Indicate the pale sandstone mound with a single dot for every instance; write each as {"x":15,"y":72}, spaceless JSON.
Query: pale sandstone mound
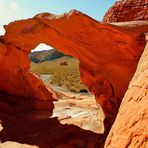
{"x":80,"y":110}
{"x":127,"y":10}
{"x":10,"y":144}
{"x":1,"y":128}
{"x":130,"y":128}
{"x":108,"y":56}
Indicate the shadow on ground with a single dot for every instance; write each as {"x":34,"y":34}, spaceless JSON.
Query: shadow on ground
{"x":25,"y":122}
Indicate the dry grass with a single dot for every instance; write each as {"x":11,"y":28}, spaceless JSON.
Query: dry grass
{"x":66,"y":76}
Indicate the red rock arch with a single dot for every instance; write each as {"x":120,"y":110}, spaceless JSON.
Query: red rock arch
{"x":108,"y":55}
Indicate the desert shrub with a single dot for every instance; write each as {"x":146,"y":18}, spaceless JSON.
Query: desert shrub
{"x":67,"y":76}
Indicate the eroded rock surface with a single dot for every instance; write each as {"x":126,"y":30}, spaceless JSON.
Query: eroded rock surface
{"x":130,"y":128}
{"x":127,"y":10}
{"x":108,"y":57}
{"x":80,"y":110}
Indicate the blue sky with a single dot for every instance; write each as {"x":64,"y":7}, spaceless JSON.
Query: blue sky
{"x":11,"y":10}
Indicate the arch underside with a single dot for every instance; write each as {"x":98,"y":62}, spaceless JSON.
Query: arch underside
{"x":108,"y":57}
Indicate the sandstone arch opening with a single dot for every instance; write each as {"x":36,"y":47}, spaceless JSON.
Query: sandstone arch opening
{"x":60,"y":73}
{"x":106,"y":65}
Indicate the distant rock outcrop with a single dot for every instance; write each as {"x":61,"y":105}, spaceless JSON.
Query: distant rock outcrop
{"x":108,"y":57}
{"x":127,"y":10}
{"x":63,"y":64}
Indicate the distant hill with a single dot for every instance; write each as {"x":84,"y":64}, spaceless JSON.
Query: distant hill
{"x":45,"y":55}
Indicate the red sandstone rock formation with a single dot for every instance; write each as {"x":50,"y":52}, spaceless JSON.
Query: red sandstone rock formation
{"x":130,"y":128}
{"x":15,"y":76}
{"x":127,"y":10}
{"x":108,"y":56}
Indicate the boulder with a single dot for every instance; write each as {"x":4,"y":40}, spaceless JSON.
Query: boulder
{"x":63,"y":64}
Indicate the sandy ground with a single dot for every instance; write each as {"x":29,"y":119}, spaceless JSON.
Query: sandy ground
{"x":79,"y":109}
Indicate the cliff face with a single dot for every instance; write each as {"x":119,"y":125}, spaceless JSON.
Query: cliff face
{"x":127,"y":10}
{"x":130,"y":127}
{"x":108,"y":56}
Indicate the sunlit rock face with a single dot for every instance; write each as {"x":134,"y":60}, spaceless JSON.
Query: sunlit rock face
{"x":108,"y":55}
{"x":130,"y":127}
{"x":80,"y":110}
{"x":127,"y":10}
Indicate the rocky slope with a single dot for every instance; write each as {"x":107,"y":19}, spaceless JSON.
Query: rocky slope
{"x":109,"y":59}
{"x":127,"y":10}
